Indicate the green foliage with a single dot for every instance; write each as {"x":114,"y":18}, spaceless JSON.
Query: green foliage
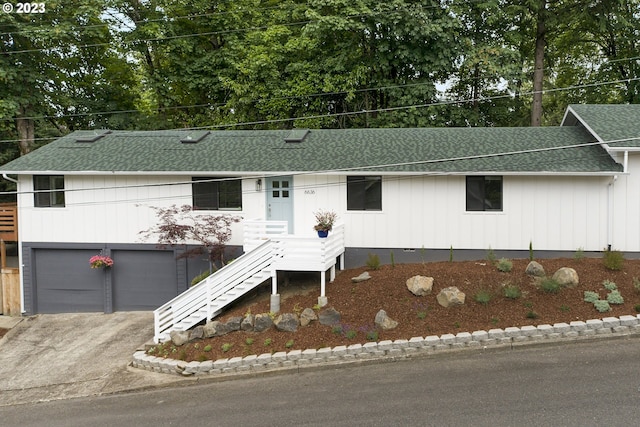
{"x":451,"y":253}
{"x":591,"y":297}
{"x":207,"y":348}
{"x":613,"y":260}
{"x":289,"y":344}
{"x":372,"y":335}
{"x":268,"y":342}
{"x":636,"y":284}
{"x":614,"y":297}
{"x":565,"y":308}
{"x":579,"y":254}
{"x":602,"y":306}
{"x":609,"y":285}
{"x":200,"y":277}
{"x":530,"y":251}
{"x":491,"y":257}
{"x":512,"y":291}
{"x":549,"y":285}
{"x":248,"y":341}
{"x":351,"y":334}
{"x":637,"y":308}
{"x":202,"y":358}
{"x":532,"y":314}
{"x":505,"y":265}
{"x":226,"y":347}
{"x":373,"y":261}
{"x":483,"y":297}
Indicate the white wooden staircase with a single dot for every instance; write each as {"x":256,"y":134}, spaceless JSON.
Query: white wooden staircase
{"x":267,"y":249}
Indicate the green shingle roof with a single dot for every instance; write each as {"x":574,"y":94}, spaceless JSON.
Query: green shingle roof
{"x":615,"y":122}
{"x":567,"y":149}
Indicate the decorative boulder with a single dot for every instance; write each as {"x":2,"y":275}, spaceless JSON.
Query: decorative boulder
{"x":384,"y":322}
{"x":329,"y":316}
{"x":215,"y":329}
{"x":179,"y":338}
{"x":450,"y":296}
{"x":535,"y":269}
{"x":196,"y":333}
{"x":566,"y":277}
{"x":307,"y":316}
{"x":287,"y":322}
{"x":262,"y":322}
{"x":420,"y":285}
{"x":247,"y":323}
{"x":361,"y":278}
{"x":233,"y":323}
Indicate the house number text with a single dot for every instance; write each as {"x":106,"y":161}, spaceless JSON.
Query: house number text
{"x":309,"y":191}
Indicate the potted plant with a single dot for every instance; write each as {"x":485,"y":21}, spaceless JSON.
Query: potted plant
{"x":100,"y":261}
{"x":324,"y":222}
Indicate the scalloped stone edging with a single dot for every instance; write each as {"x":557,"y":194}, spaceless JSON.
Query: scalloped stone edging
{"x":624,"y":325}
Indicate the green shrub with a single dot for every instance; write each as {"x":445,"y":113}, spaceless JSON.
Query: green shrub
{"x":637,"y":307}
{"x":289,"y":344}
{"x":636,"y":284}
{"x":207,"y":347}
{"x":591,"y":297}
{"x":614,"y":297}
{"x":532,"y":314}
{"x":268,"y":342}
{"x":602,"y":306}
{"x":613,"y":260}
{"x":372,"y":335}
{"x":200,"y":277}
{"x":226,"y":347}
{"x":512,"y":291}
{"x":451,"y":253}
{"x":491,"y":257}
{"x":373,"y":261}
{"x":483,"y":297}
{"x":609,"y":285}
{"x":505,"y":265}
{"x":530,"y":250}
{"x":579,"y":255}
{"x":549,"y":285}
{"x":248,"y":341}
{"x":351,"y":334}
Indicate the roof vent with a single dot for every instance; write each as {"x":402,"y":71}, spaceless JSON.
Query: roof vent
{"x":194,"y":137}
{"x":93,"y":138}
{"x":297,"y":135}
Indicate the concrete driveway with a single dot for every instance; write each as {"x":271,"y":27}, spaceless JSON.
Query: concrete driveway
{"x":60,"y":356}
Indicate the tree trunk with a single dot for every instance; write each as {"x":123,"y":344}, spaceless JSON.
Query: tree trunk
{"x":538,"y":68}
{"x":26,"y":130}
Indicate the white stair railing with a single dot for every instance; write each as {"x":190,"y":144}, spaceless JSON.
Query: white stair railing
{"x":207,"y":298}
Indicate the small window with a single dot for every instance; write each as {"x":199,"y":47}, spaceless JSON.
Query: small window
{"x":48,"y":191}
{"x":364,"y":193}
{"x":216,"y":193}
{"x":484,"y":193}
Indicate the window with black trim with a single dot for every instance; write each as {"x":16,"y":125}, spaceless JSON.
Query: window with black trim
{"x":364,"y":193}
{"x":48,"y":191}
{"x":484,"y":193}
{"x":218,"y":193}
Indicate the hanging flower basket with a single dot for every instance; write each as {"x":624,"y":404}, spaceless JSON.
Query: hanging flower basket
{"x":100,"y":261}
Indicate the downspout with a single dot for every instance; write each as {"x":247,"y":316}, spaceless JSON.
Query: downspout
{"x":5,"y":176}
{"x":610,"y":212}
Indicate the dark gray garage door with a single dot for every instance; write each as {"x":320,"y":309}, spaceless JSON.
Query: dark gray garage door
{"x":65,"y":283}
{"x":143,"y":280}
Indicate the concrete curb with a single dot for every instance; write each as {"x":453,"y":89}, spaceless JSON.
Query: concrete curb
{"x":401,"y":348}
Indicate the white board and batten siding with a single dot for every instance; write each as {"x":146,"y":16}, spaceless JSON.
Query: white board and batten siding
{"x":114,"y":209}
{"x":551,"y":212}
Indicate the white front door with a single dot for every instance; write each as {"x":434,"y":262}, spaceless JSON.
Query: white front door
{"x":280,"y":199}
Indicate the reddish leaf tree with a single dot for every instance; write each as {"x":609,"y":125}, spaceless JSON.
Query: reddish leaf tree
{"x":180,"y":225}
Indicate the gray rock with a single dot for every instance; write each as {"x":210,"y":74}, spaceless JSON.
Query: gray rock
{"x":233,"y":323}
{"x":262,"y":322}
{"x":566,"y":277}
{"x":420,"y":285}
{"x":215,"y":328}
{"x":384,"y":322}
{"x":450,"y":296}
{"x":535,"y":269}
{"x":329,"y":316}
{"x":196,"y":333}
{"x":287,"y":322}
{"x":179,"y":338}
{"x":247,"y":323}
{"x":361,"y":278}
{"x":307,"y":316}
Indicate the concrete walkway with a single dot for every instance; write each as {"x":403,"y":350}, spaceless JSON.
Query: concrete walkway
{"x":60,"y":356}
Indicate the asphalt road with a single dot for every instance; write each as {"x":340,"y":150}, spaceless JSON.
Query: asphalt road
{"x":594,"y":383}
